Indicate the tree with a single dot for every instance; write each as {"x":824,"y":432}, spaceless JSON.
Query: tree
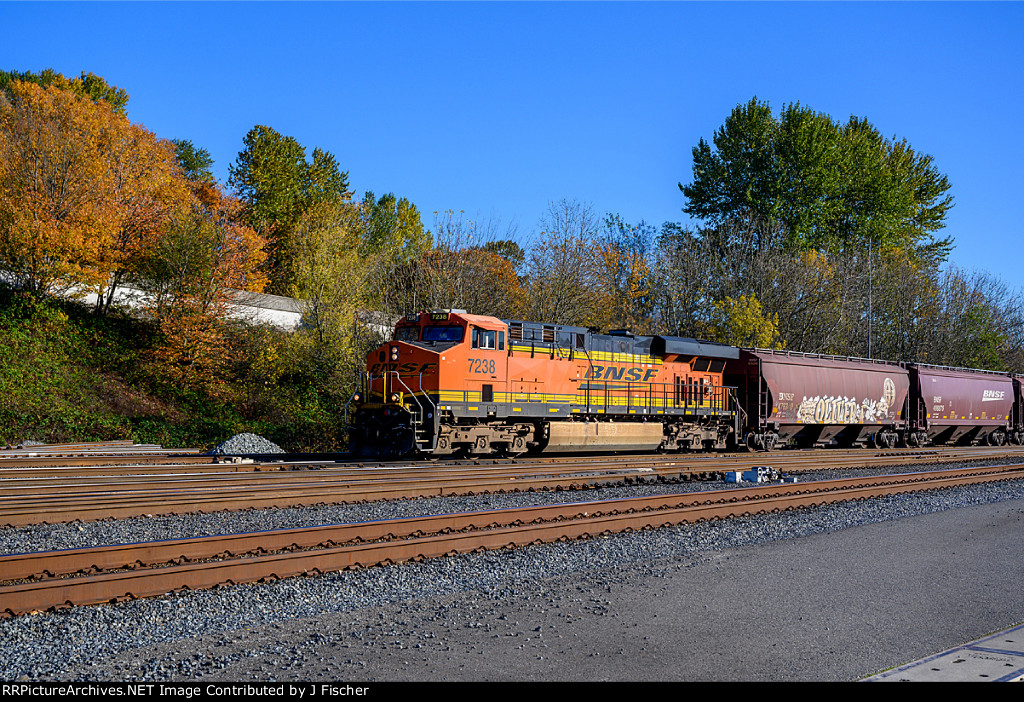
{"x":53,"y":222}
{"x":832,"y":186}
{"x":743,"y":322}
{"x":84,"y":191}
{"x":276,"y":185}
{"x":146,"y":190}
{"x":460,"y":271}
{"x":624,"y":274}
{"x":331,"y":280}
{"x":87,"y":85}
{"x":393,"y":227}
{"x":195,"y":163}
{"x":561,"y":270}
{"x":203,"y":256}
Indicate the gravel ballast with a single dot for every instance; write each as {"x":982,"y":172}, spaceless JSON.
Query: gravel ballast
{"x":246,"y":444}
{"x":229,"y":633}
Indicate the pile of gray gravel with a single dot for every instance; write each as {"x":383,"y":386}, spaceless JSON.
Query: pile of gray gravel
{"x":244,"y":444}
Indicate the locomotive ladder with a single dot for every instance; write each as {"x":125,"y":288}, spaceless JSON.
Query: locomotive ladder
{"x":421,"y":434}
{"x":423,"y":437}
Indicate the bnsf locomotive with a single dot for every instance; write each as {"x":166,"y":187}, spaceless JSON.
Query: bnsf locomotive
{"x":451,"y":382}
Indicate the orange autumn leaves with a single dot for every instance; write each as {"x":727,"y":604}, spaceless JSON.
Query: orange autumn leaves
{"x":90,"y":202}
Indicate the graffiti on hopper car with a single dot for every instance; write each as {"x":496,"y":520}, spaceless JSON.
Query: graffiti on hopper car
{"x":830,"y":409}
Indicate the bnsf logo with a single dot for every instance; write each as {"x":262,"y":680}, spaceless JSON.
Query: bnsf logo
{"x":992,"y":395}
{"x":616,"y":373}
{"x":402,"y":367}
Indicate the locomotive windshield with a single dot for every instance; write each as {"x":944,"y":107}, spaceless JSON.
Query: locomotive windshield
{"x":407,"y":334}
{"x":446,"y":333}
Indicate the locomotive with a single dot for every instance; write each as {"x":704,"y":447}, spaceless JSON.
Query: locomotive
{"x":450,"y":382}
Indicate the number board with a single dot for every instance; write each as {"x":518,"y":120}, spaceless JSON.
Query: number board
{"x":439,"y":316}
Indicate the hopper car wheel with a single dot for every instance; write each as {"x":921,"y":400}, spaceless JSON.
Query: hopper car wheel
{"x":751,"y":441}
{"x":763,"y":442}
{"x":995,"y":438}
{"x":884,"y":440}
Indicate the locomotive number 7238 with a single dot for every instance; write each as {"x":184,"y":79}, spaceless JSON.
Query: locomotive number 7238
{"x":481,"y":365}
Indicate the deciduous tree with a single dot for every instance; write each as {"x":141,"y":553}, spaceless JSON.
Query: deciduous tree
{"x":205,"y":255}
{"x":276,"y":185}
{"x":55,"y":188}
{"x":832,"y":186}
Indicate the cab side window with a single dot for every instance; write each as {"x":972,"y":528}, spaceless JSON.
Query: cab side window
{"x":485,"y":339}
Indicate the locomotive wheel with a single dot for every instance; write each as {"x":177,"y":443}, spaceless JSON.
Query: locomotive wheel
{"x":518,"y":446}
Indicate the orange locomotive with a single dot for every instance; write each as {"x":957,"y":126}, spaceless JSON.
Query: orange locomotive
{"x":451,"y":382}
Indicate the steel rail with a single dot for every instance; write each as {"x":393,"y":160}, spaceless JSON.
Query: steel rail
{"x":404,"y":539}
{"x":61,"y":464}
{"x":42,"y":564}
{"x":33,"y":501}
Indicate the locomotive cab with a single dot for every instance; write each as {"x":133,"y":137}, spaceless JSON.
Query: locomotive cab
{"x":441,"y":362}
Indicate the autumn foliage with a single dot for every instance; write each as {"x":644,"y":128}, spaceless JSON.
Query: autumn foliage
{"x":90,"y":202}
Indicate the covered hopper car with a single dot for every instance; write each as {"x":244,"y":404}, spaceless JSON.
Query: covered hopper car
{"x":811,"y":400}
{"x":455,"y":383}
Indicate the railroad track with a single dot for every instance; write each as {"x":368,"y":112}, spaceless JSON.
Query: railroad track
{"x":74,"y":577}
{"x":52,"y":495}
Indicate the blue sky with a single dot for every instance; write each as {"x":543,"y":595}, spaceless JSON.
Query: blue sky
{"x":498,"y":109}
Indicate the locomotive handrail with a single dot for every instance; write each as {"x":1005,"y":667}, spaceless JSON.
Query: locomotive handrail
{"x":345,"y":415}
{"x":418,"y":403}
{"x":660,"y":395}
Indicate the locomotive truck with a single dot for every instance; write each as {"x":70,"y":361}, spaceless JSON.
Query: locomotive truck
{"x":450,"y":382}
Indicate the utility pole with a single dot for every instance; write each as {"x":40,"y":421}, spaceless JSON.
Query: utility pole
{"x":869,"y":297}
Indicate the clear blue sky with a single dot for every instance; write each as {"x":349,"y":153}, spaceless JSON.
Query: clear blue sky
{"x":498,"y":109}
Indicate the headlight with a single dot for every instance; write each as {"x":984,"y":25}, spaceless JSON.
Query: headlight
{"x":394,"y":398}
{"x":394,"y":353}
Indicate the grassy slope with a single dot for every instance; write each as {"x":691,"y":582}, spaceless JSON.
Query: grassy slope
{"x":67,"y":375}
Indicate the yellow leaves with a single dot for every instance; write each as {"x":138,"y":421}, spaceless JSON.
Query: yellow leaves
{"x":83,"y":190}
{"x":742,"y":322}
